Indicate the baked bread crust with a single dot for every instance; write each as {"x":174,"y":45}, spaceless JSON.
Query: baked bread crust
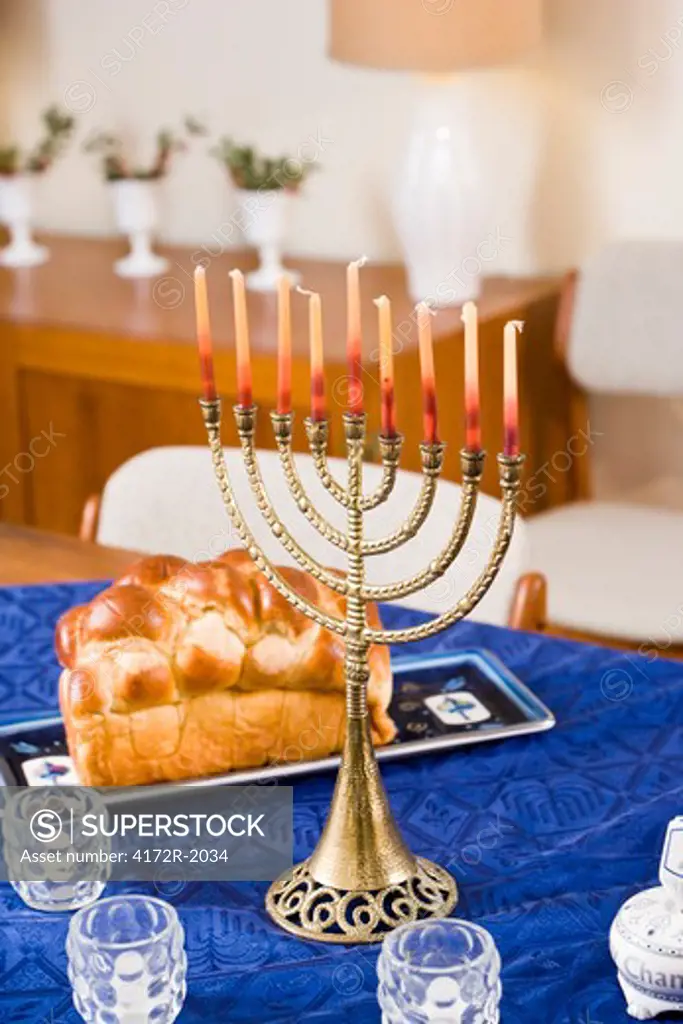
{"x":182,"y":670}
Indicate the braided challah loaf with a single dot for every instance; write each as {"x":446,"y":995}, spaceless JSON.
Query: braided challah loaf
{"x":182,"y":670}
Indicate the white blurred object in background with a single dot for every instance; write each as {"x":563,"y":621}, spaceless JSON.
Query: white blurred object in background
{"x":136,"y":209}
{"x":438,"y":205}
{"x":264,"y":218}
{"x":17,"y":210}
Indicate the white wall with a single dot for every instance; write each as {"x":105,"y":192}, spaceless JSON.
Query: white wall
{"x":583,"y":146}
{"x":572,"y":158}
{"x":620,"y":63}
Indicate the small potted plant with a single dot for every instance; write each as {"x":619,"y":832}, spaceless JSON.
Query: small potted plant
{"x":265,"y":187}
{"x":18,"y":171}
{"x":135,"y":193}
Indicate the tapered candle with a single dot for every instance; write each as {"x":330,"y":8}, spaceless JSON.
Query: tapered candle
{"x":201,"y":304}
{"x":284,"y":349}
{"x":470,"y":319}
{"x":386,"y":367}
{"x":239,"y":297}
{"x":354,"y":335}
{"x":424,"y":332}
{"x":315,"y":335}
{"x":510,"y":399}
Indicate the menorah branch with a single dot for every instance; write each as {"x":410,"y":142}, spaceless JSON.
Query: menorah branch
{"x":318,"y":432}
{"x":211,"y":411}
{"x":390,"y":452}
{"x":510,"y":473}
{"x":472,"y":468}
{"x":245,"y":419}
{"x":282,"y":428}
{"x":432,"y":462}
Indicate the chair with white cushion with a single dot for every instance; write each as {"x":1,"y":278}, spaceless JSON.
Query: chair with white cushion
{"x":614,"y":559}
{"x":165,"y":500}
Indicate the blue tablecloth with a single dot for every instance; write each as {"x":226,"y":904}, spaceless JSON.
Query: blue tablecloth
{"x":546,"y":835}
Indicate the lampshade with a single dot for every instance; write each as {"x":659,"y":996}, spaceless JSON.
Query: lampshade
{"x":432,"y":35}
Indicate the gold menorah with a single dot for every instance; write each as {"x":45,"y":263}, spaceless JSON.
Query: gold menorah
{"x":362,"y":880}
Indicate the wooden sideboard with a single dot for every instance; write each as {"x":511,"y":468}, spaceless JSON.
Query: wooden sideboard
{"x":94,"y":369}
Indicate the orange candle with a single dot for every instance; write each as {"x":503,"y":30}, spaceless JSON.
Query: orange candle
{"x":284,"y":349}
{"x":239,"y":296}
{"x":424,"y":331}
{"x":201,"y":303}
{"x":386,"y":367}
{"x":354,"y":335}
{"x":315,"y":334}
{"x":511,"y":398}
{"x":470,"y":319}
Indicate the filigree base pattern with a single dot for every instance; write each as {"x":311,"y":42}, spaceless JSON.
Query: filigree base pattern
{"x":304,"y":907}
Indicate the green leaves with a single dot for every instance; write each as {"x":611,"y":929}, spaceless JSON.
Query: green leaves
{"x":58,"y":127}
{"x":115,"y":166}
{"x":251,"y":170}
{"x":194,"y":127}
{"x":9,"y":159}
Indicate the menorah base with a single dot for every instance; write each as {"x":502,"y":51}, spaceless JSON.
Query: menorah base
{"x":310,"y":910}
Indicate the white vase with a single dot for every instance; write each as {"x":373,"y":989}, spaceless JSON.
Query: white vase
{"x":17,"y":205}
{"x":136,"y":209}
{"x":438,"y":203}
{"x":264,"y":219}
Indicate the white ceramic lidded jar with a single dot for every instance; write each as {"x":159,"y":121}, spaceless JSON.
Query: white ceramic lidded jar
{"x":646,"y":940}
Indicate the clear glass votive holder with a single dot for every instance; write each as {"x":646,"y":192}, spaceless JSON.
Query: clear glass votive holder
{"x":36,"y":821}
{"x":444,"y":972}
{"x":58,"y":897}
{"x":127,"y":962}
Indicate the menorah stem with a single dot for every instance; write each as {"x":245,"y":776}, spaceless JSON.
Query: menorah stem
{"x":361,"y":849}
{"x":357,"y":666}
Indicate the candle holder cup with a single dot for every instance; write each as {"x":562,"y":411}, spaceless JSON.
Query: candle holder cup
{"x":362,"y":881}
